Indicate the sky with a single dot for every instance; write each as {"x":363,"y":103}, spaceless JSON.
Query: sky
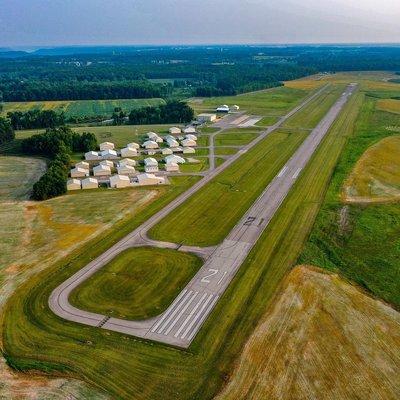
{"x":118,"y":22}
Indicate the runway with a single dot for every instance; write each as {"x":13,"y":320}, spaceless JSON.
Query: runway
{"x":182,"y":320}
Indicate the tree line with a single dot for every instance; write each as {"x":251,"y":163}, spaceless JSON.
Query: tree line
{"x":57,"y":144}
{"x":171,"y":112}
{"x":7,"y":133}
{"x":36,"y":119}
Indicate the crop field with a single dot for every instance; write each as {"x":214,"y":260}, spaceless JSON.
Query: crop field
{"x":82,"y":108}
{"x":236,"y":137}
{"x":389,"y":105}
{"x":316,"y":343}
{"x":138,"y":284}
{"x":272,"y":102}
{"x":361,"y":241}
{"x":153,"y":370}
{"x":376,"y":175}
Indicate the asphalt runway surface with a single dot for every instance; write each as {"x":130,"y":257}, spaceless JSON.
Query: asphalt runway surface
{"x":182,"y":320}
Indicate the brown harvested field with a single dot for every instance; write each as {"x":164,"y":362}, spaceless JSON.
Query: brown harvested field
{"x":376,"y":175}
{"x":322,"y":339}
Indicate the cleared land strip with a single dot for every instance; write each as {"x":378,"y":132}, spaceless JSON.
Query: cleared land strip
{"x":179,"y":324}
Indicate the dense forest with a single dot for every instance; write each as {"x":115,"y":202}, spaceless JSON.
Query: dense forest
{"x":174,"y":72}
{"x":35,"y":119}
{"x":172,"y":112}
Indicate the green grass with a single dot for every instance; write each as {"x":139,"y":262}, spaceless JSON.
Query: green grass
{"x":236,"y":137}
{"x":363,"y":244}
{"x":316,"y":109}
{"x":82,"y":108}
{"x":139,"y":283}
{"x":202,"y":165}
{"x":269,"y":102}
{"x":267,"y":121}
{"x":225,"y":151}
{"x":34,"y":338}
{"x":203,"y":141}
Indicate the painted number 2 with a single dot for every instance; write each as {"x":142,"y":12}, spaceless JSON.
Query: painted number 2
{"x":212,"y":273}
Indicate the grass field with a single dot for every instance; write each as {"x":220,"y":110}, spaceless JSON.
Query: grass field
{"x":360,"y":241}
{"x":120,"y":135}
{"x":139,"y":283}
{"x":236,"y":137}
{"x":35,"y":338}
{"x":316,"y":109}
{"x":223,"y":151}
{"x":389,"y":105}
{"x":272,"y":102}
{"x":82,"y":108}
{"x":316,"y":348}
{"x":376,"y":175}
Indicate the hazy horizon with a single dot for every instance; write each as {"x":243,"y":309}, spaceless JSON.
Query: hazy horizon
{"x":195,"y":22}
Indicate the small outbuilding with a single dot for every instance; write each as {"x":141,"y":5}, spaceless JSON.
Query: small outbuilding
{"x":150,"y":144}
{"x":189,"y":150}
{"x":73,"y":184}
{"x":174,"y":130}
{"x":154,"y":136}
{"x":126,"y":170}
{"x":107,"y":163}
{"x":90,"y":183}
{"x":127,"y":161}
{"x":174,"y":159}
{"x":79,"y":172}
{"x":102,"y":170}
{"x":205,"y":117}
{"x":82,"y":164}
{"x":188,"y":143}
{"x":166,"y":151}
{"x":109,"y":154}
{"x":92,"y":156}
{"x":190,"y":136}
{"x":171,"y":142}
{"x":107,"y":146}
{"x":189,"y":129}
{"x":235,"y":107}
{"x":129,"y":152}
{"x":120,"y":181}
{"x":172,"y":167}
{"x":223,"y":109}
{"x":149,"y":179}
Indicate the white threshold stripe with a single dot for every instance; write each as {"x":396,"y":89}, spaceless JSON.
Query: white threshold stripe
{"x":204,"y":316}
{"x":282,"y":171}
{"x":177,"y":308}
{"x":182,"y":327}
{"x":181,"y":313}
{"x":194,"y":320}
{"x":221,"y":279}
{"x":159,"y":322}
{"x":296,"y":174}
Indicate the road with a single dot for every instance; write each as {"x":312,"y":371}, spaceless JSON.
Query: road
{"x":179,"y":324}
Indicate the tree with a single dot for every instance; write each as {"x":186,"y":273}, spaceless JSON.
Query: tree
{"x":6,"y":131}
